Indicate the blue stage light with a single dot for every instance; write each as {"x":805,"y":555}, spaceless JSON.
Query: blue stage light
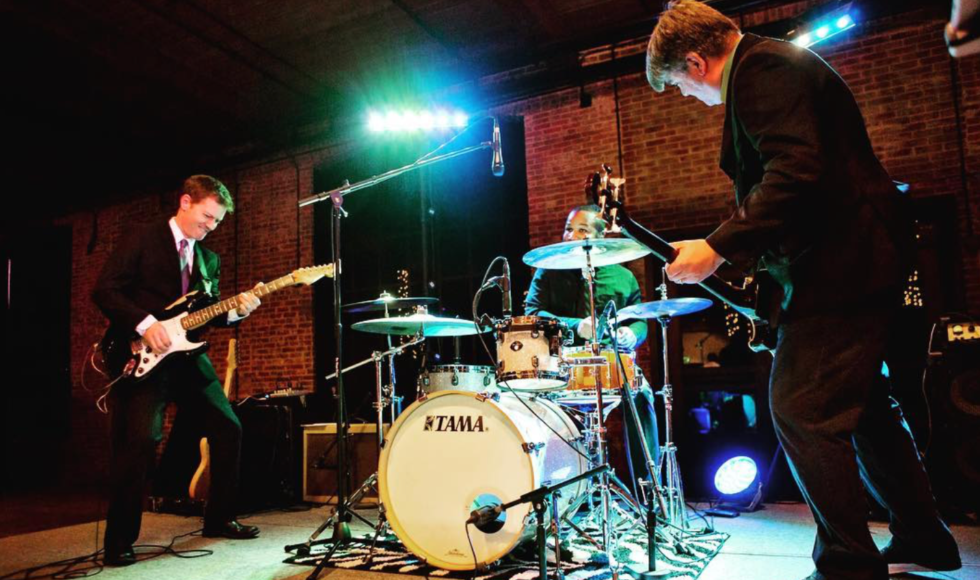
{"x":736,"y":475}
{"x":832,"y":25}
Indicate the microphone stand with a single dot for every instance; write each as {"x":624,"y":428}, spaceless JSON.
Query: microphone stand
{"x":342,"y":515}
{"x":539,"y":499}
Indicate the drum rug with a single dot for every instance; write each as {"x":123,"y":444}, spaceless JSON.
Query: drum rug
{"x":683,"y":560}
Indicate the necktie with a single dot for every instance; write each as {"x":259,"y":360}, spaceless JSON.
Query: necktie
{"x":185,"y":268}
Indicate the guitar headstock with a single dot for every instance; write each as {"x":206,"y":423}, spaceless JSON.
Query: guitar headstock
{"x":311,"y":274}
{"x":604,"y":191}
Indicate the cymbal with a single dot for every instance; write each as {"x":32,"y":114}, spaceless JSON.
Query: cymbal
{"x":665,"y":308}
{"x":430,"y":326}
{"x":572,"y":255}
{"x":389,"y":302}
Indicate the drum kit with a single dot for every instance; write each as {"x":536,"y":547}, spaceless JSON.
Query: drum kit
{"x":477,"y":438}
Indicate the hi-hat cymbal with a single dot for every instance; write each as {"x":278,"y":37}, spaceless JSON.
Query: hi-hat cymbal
{"x":389,"y":302}
{"x":665,"y":308}
{"x":572,"y":255}
{"x":428,"y":325}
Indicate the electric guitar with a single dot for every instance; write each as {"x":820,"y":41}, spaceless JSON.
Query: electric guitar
{"x":130,"y":357}
{"x":605,"y":190}
{"x":201,"y":481}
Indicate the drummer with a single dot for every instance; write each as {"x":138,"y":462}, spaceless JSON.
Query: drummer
{"x":564,"y":294}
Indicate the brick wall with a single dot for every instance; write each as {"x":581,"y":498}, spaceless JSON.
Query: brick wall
{"x":898,"y":69}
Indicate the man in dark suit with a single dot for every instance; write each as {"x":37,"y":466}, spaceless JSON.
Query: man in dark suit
{"x":816,"y":209}
{"x":149,"y":270}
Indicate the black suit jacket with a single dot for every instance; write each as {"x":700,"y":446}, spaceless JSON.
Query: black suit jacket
{"x":142,"y":277}
{"x":815,"y":206}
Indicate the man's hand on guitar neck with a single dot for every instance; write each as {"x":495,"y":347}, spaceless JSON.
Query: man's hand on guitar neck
{"x":695,"y":261}
{"x":248,"y":302}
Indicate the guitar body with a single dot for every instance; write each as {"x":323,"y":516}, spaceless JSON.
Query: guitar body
{"x":201,"y":481}
{"x":132,"y":357}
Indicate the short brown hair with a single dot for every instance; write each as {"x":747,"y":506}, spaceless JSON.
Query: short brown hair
{"x":200,"y":187}
{"x":686,"y":26}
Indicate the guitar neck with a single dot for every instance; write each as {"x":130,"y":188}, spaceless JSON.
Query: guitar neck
{"x":662,"y":249}
{"x":201,"y":317}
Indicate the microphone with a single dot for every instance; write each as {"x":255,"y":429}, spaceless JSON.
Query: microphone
{"x":494,"y":281}
{"x":603,"y":320}
{"x":505,"y":286}
{"x":497,"y":166}
{"x":484,"y":515}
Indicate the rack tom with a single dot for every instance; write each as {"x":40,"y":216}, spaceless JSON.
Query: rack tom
{"x":529,"y":354}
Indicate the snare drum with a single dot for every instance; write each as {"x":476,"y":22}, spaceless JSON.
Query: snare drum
{"x":529,"y":354}
{"x":606,"y":375}
{"x":455,"y":452}
{"x":470,"y":378}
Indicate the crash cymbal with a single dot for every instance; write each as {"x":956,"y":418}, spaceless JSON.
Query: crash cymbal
{"x":390,"y":302}
{"x":665,"y":308}
{"x":428,"y":325}
{"x":572,"y":255}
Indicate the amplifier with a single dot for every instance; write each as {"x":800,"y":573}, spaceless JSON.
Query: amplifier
{"x":320,"y":460}
{"x":951,"y":334}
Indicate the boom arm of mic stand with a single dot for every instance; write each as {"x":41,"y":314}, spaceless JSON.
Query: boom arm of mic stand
{"x":381,"y":178}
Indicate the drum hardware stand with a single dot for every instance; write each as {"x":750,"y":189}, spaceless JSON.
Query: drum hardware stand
{"x":676,"y":510}
{"x":600,"y":424}
{"x":341,"y":533}
{"x":649,"y":484}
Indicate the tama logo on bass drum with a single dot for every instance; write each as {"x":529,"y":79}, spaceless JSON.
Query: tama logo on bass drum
{"x":454,"y":423}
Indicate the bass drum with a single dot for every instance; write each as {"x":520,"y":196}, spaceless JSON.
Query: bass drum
{"x":455,"y":452}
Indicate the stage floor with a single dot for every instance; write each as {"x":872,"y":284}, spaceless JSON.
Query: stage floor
{"x":771,"y":544}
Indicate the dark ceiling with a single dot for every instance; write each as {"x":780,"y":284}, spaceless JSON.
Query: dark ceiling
{"x":103,"y":97}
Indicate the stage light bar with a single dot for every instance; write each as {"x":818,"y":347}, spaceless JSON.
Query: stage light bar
{"x":411,"y":120}
{"x":736,"y":475}
{"x":827,"y":27}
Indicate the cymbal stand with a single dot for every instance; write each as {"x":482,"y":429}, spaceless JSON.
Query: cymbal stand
{"x":597,"y":432}
{"x":654,"y":495}
{"x":676,"y":512}
{"x":600,"y":428}
{"x":369,"y":484}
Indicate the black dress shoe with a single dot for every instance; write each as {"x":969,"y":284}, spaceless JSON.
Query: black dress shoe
{"x":123,"y":557}
{"x":929,"y":556}
{"x":232,"y":530}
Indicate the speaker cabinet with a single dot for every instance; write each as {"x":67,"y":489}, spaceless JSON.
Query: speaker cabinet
{"x":320,"y":461}
{"x":953,"y":454}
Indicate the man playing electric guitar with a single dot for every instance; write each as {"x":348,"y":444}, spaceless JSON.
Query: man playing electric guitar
{"x":149,"y":270}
